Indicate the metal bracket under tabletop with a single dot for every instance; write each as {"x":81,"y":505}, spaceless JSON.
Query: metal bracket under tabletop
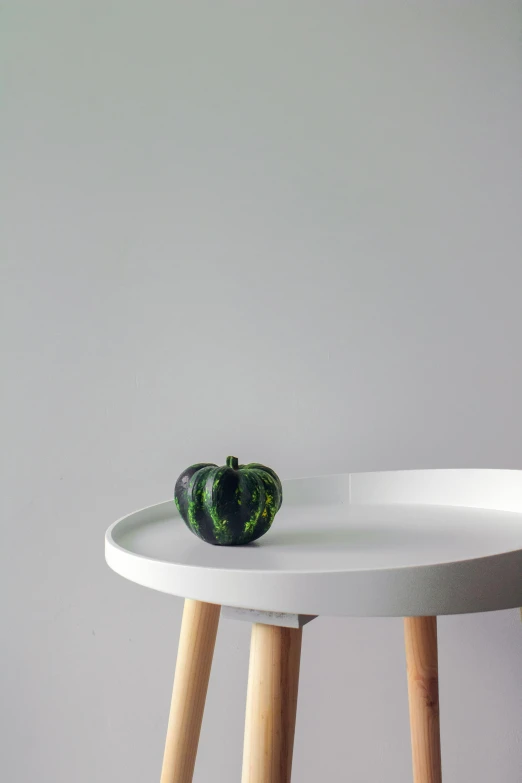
{"x":266,"y":618}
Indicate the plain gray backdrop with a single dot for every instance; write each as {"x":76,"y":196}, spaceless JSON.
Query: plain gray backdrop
{"x":289,"y":231}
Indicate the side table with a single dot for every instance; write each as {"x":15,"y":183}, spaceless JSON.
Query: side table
{"x":413,"y":544}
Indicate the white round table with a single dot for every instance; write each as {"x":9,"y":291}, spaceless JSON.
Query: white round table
{"x":412,"y":544}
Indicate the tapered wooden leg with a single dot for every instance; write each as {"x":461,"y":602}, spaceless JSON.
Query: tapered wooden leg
{"x":195,"y":652}
{"x":423,"y":694}
{"x":273,"y":680}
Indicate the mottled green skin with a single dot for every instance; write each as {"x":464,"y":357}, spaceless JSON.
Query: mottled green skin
{"x":228,"y":506}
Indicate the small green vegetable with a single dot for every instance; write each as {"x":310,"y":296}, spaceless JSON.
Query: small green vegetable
{"x":229,"y":505}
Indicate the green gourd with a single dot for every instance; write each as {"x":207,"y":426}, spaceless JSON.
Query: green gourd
{"x":228,"y":505}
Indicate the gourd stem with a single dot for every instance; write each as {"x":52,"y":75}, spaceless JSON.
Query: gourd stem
{"x":232,"y":462}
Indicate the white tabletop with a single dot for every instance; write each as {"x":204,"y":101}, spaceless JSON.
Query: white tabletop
{"x":401,"y":543}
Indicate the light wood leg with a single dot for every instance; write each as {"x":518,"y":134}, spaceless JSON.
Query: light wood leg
{"x":273,"y":680}
{"x":195,"y":653}
{"x":423,"y":694}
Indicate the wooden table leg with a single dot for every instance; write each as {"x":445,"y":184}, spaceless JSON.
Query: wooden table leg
{"x":195,"y":653}
{"x":273,"y":680}
{"x":423,"y":693}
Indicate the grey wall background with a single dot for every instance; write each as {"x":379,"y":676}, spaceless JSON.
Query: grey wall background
{"x":289,"y":231}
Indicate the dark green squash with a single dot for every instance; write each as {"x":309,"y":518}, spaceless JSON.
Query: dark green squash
{"x":229,"y":505}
